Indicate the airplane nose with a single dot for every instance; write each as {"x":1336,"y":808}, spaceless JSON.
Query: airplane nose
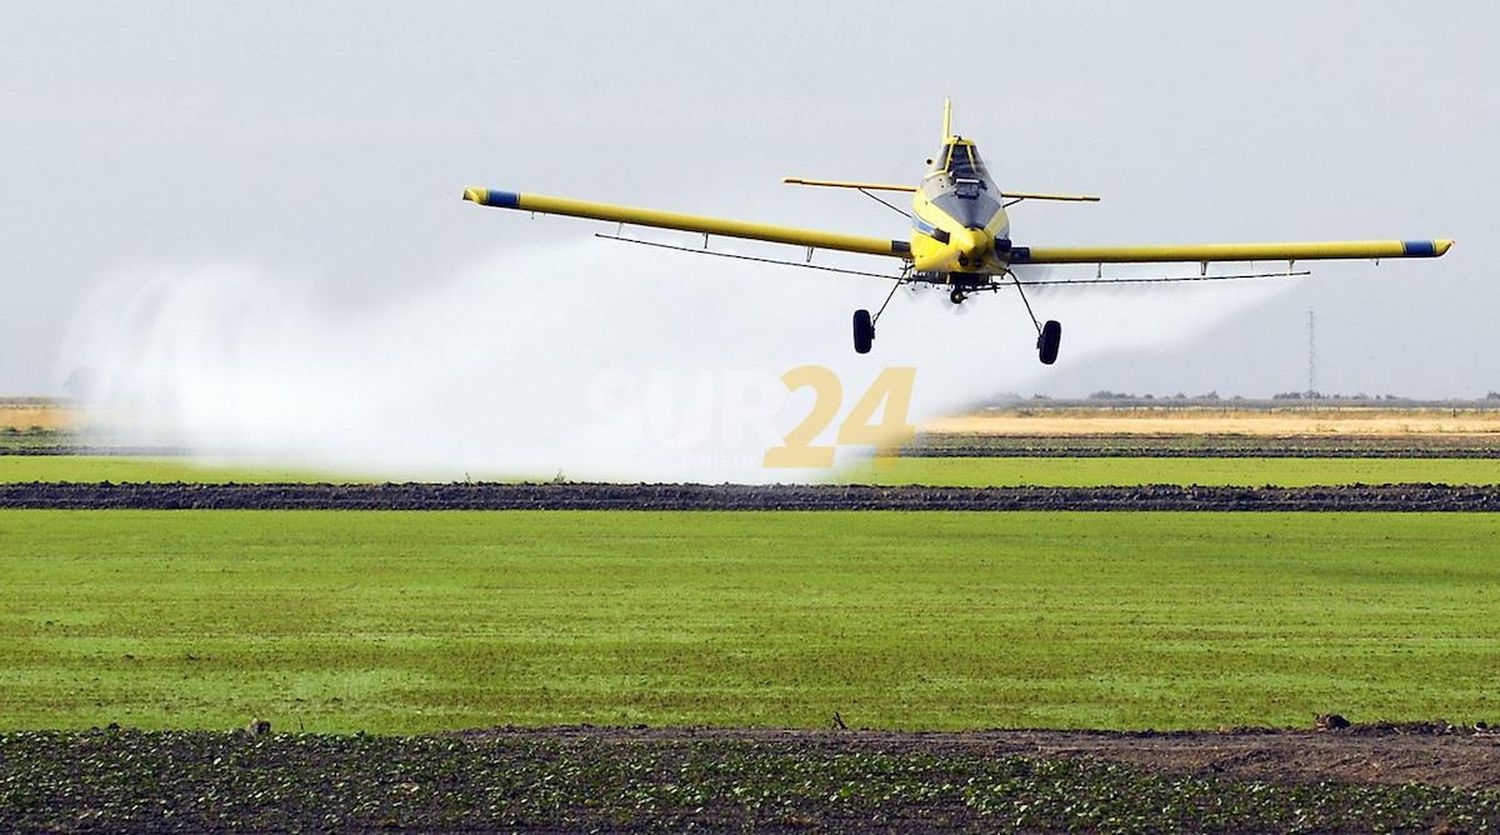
{"x":965,"y":250}
{"x":969,"y":241}
{"x":971,"y":244}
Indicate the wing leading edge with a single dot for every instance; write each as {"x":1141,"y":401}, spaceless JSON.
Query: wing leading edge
{"x":688,"y":223}
{"x":1304,"y":251}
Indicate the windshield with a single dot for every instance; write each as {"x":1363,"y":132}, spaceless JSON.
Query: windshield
{"x":963,"y":162}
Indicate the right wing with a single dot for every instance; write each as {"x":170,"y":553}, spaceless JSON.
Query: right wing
{"x":1205,"y":253}
{"x":689,"y":223}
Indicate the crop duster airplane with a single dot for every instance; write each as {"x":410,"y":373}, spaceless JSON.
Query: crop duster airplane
{"x":960,"y":238}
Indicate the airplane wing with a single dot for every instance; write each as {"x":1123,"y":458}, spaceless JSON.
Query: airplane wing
{"x":689,"y":223}
{"x":1205,"y":253}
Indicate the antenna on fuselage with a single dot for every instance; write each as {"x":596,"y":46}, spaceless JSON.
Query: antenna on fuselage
{"x":947,"y":120}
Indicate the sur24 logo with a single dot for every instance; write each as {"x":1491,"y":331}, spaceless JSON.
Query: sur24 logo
{"x":893,"y":388}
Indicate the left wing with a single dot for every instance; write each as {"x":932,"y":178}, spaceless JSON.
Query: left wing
{"x":1204,"y":253}
{"x":689,"y":223}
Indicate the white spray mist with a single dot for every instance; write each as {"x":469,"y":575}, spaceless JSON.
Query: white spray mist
{"x":592,"y":359}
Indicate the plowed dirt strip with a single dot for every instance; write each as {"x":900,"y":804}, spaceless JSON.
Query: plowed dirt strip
{"x":417,"y":496}
{"x":1435,"y":754}
{"x":603,"y":780}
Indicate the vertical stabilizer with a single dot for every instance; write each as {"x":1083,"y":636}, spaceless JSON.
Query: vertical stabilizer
{"x":947,"y":120}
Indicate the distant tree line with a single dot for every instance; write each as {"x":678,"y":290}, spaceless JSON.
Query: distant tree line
{"x":1214,"y":396}
{"x":1106,"y":394}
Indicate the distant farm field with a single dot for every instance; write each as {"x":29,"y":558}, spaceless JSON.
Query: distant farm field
{"x":1167,"y":420}
{"x":1091,"y":472}
{"x":32,"y":414}
{"x":387,"y":621}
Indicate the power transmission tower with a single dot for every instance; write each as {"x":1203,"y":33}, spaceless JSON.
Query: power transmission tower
{"x":1312,"y":357}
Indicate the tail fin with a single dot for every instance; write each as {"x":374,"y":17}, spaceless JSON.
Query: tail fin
{"x":947,"y":120}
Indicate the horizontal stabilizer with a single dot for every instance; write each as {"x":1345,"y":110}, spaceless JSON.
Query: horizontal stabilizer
{"x":1008,"y":195}
{"x":799,"y":181}
{"x":1070,"y":198}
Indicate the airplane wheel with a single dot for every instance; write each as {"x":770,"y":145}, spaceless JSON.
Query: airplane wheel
{"x":864,"y":332}
{"x":957,"y":296}
{"x":1048,"y":342}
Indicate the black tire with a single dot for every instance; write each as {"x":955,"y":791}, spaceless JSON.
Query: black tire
{"x":864,"y":332}
{"x":1048,"y":342}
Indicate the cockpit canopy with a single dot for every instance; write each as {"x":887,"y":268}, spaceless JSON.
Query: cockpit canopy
{"x":960,"y":160}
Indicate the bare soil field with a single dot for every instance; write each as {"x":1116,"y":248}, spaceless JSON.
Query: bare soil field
{"x":1410,"y":778}
{"x":25,"y":415}
{"x":1165,"y":421}
{"x":661,"y":497}
{"x":1435,"y":753}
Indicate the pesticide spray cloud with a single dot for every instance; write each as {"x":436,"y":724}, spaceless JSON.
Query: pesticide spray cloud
{"x":590,"y":359}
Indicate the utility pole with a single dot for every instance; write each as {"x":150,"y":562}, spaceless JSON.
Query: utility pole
{"x":1312,"y":357}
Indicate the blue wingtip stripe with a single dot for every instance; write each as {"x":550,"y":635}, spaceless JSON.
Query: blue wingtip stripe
{"x":502,"y":199}
{"x":1419,"y":249}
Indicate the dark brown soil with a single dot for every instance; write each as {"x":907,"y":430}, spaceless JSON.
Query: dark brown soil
{"x":1389,"y":497}
{"x":1436,"y":754}
{"x":1410,"y":779}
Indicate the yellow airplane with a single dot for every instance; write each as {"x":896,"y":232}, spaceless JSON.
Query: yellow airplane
{"x":960,"y":238}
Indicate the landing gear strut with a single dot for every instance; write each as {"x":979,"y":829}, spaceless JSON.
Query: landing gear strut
{"x":1048,"y":336}
{"x":864,"y":323}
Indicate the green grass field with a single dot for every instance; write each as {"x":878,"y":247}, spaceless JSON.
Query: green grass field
{"x":961,"y":472}
{"x":388,"y":621}
{"x":127,"y":468}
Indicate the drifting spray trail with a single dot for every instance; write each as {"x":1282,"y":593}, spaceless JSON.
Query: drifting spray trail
{"x":585,"y":359}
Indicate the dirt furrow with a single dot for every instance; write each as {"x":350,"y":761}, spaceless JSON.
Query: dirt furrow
{"x":422,"y":496}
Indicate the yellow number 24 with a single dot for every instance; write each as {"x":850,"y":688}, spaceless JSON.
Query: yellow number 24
{"x":893,"y":388}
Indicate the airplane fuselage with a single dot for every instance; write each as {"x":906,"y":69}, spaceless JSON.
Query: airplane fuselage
{"x":959,"y":224}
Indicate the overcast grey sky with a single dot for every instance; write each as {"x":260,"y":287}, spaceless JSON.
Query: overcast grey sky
{"x":331,"y":141}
